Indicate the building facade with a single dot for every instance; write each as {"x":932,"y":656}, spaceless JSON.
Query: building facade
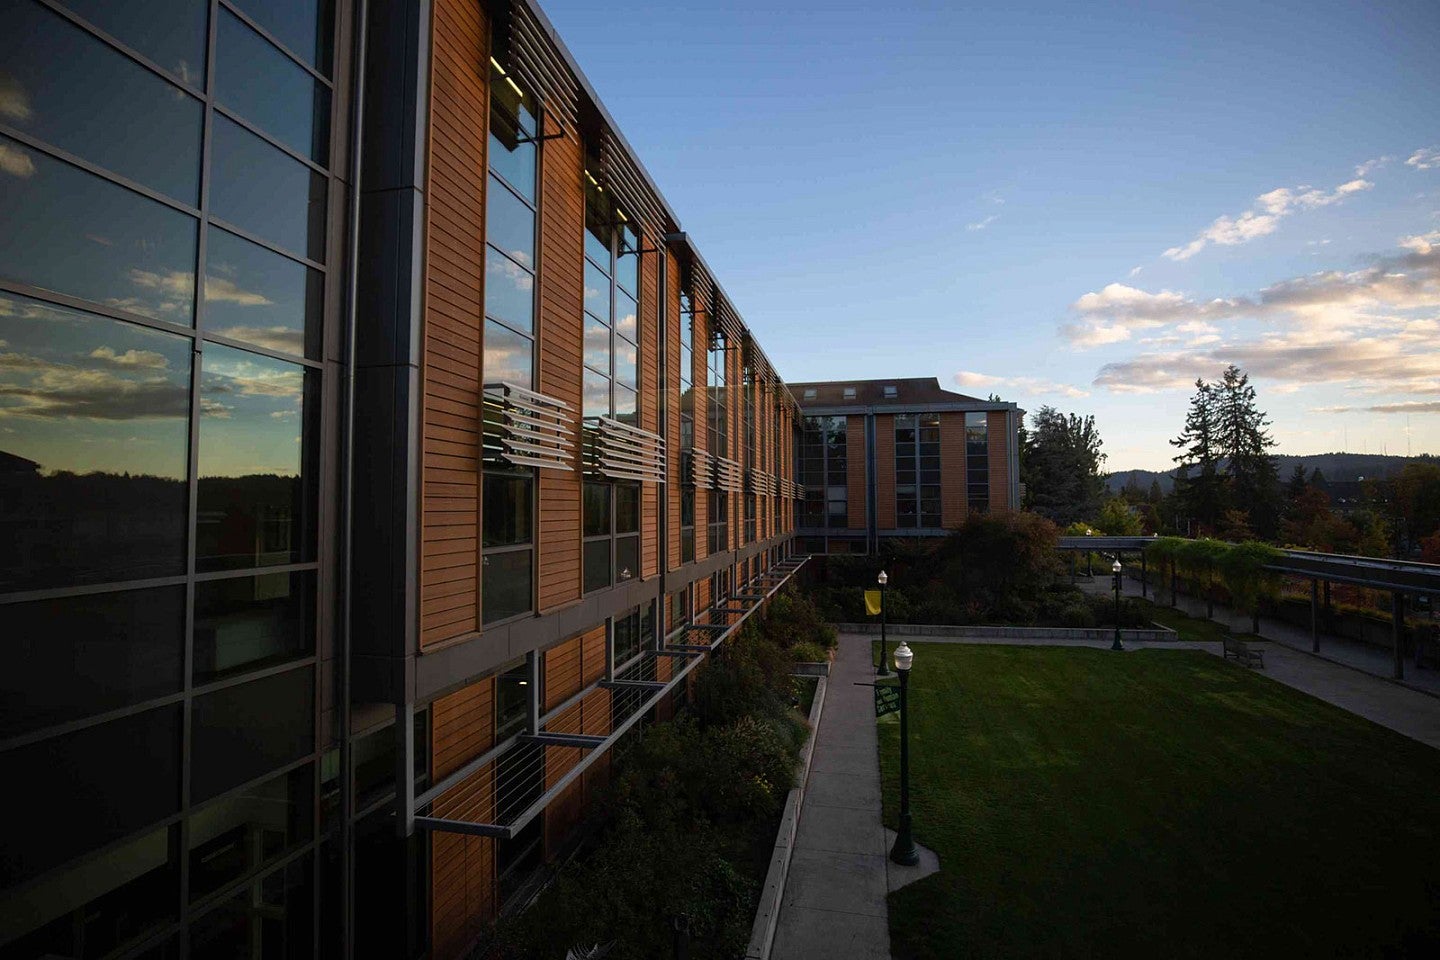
{"x":878,"y":459}
{"x":376,"y":453}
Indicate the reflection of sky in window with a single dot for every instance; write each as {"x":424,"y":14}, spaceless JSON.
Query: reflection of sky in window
{"x":170,"y":32}
{"x":597,"y":345}
{"x":250,"y":414}
{"x":509,"y":290}
{"x":597,"y":396}
{"x":509,"y":224}
{"x":297,"y":24}
{"x":67,"y":88}
{"x":255,"y":186}
{"x":507,"y":356}
{"x":258,"y":296}
{"x":270,"y":90}
{"x":597,"y":292}
{"x":85,"y":394}
{"x":75,"y":233}
{"x":625,"y":315}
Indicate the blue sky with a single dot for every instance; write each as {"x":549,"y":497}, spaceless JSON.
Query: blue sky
{"x":938,"y":189}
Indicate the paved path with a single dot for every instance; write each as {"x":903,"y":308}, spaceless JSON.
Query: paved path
{"x":834,"y":905}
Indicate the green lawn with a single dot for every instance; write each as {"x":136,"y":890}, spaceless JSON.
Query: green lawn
{"x":1156,"y":804}
{"x":1189,"y":628}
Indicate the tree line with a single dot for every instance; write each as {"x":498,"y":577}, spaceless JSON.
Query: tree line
{"x":1227,"y":485}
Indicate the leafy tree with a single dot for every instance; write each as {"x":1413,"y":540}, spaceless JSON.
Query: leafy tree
{"x":1201,"y":496}
{"x":1430,"y":548}
{"x":1118,"y":519}
{"x":1310,"y":522}
{"x":1242,"y":568}
{"x":1061,"y":466}
{"x":1245,"y":445}
{"x":1417,"y":502}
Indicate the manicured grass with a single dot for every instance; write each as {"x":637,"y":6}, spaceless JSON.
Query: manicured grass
{"x":1189,"y":628}
{"x":1156,"y":804}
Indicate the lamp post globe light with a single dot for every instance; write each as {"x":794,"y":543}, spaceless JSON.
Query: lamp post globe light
{"x":904,"y":852}
{"x":1115,"y":569}
{"x":1089,"y":557}
{"x":881,"y":670}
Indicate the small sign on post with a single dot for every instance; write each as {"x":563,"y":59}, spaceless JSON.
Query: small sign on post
{"x":887,"y":700}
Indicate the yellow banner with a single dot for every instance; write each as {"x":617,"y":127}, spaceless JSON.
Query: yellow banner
{"x":872,"y":603}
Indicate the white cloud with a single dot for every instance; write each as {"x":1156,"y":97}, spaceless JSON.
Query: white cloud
{"x":1027,"y":386}
{"x":16,"y":162}
{"x":1135,"y":272}
{"x":1370,"y":166}
{"x":131,"y":358}
{"x":982,"y":224}
{"x":221,"y":290}
{"x":1407,"y":406}
{"x":14,"y":101}
{"x":1426,"y":158}
{"x":1422,"y":243}
{"x":1264,"y":219}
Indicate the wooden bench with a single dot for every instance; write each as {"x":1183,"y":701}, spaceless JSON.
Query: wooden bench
{"x":1241,"y":652}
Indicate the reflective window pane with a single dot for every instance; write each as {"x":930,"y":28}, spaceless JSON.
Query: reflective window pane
{"x":509,"y":224}
{"x":627,"y":267}
{"x":72,"y":232}
{"x":246,"y":623}
{"x":249,"y":829}
{"x":256,"y":295}
{"x":626,"y":357}
{"x":507,"y":585}
{"x":260,"y":189}
{"x":597,"y":347}
{"x":625,"y":312}
{"x":87,"y":780}
{"x":597,"y":564}
{"x":508,"y":356}
{"x":303,"y":26}
{"x":273,"y":918}
{"x":270,"y":90}
{"x":93,"y":448}
{"x":169,"y":32}
{"x":597,"y":292}
{"x":64,"y":86}
{"x":78,"y":656}
{"x":625,"y":405}
{"x":597,"y":395}
{"x":507,"y":509}
{"x":627,"y":508}
{"x":509,"y":123}
{"x":241,"y":732}
{"x":92,"y":908}
{"x":627,"y":557}
{"x":597,"y":509}
{"x":509,"y":291}
{"x":256,"y":495}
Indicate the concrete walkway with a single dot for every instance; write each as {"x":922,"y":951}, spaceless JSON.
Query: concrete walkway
{"x":834,"y":905}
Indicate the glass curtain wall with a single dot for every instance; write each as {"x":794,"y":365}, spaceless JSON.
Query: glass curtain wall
{"x":917,"y":470}
{"x":611,"y":550}
{"x":823,"y":474}
{"x":687,"y":426}
{"x":719,"y":505}
{"x":747,"y":433}
{"x":510,"y":262}
{"x":165,"y":173}
{"x":977,"y":461}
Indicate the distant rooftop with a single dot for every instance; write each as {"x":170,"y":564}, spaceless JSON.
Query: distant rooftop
{"x":901,"y":391}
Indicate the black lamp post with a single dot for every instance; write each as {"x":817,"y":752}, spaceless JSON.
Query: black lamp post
{"x":882,"y":670}
{"x":1089,"y":557}
{"x":1115,"y":569}
{"x":904,"y":852}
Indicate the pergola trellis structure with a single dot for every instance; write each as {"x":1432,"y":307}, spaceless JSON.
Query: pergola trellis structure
{"x":503,"y":799}
{"x":1400,"y":578}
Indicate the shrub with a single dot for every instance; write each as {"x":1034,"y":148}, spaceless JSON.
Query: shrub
{"x":1077,"y":615}
{"x":808,"y":652}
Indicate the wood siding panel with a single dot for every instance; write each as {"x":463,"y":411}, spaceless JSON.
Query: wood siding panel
{"x":562,"y":292}
{"x":462,"y":869}
{"x":855,"y":472}
{"x":885,"y":471}
{"x":672,"y":418}
{"x":648,"y":317}
{"x":999,"y":447}
{"x":454,"y":310}
{"x":954,"y":506}
{"x":592,"y":663}
{"x":562,"y":672}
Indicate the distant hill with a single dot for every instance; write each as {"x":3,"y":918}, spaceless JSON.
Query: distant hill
{"x":1335,"y":467}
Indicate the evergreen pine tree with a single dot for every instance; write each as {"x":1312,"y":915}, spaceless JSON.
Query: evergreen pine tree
{"x":1201,"y":497}
{"x":1244,"y":445}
